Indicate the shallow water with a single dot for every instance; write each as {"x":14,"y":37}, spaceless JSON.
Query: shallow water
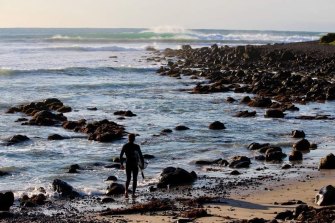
{"x":83,"y":79}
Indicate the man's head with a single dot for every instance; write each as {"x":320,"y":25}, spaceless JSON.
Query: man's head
{"x":131,"y":137}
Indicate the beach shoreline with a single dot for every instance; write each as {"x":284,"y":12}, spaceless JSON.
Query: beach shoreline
{"x":239,"y":199}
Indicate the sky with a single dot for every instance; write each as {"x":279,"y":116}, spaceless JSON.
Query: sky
{"x":293,"y":15}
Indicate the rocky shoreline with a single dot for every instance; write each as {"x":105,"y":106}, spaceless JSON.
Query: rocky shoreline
{"x":279,"y":75}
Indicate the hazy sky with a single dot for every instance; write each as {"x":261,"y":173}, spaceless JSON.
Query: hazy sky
{"x":305,"y":15}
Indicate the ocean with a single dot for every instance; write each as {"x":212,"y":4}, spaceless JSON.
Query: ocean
{"x":108,"y":69}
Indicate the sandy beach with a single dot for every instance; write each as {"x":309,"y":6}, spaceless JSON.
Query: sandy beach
{"x":249,"y":204}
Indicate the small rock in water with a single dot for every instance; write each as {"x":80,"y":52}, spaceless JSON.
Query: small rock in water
{"x":216,"y":125}
{"x":181,"y":128}
{"x":298,"y":134}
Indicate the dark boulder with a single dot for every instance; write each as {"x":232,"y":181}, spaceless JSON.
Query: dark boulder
{"x":326,"y":196}
{"x":302,"y":145}
{"x":246,"y":99}
{"x":64,"y":189}
{"x":166,"y":131}
{"x":2,"y":173}
{"x":274,"y":113}
{"x":125,"y":113}
{"x":240,"y":162}
{"x":230,"y":100}
{"x":330,"y":37}
{"x":32,"y":201}
{"x":260,"y":102}
{"x":181,"y":128}
{"x":245,"y":114}
{"x":298,"y":134}
{"x":176,"y":176}
{"x":286,"y":166}
{"x":16,"y":139}
{"x":64,"y":109}
{"x":115,"y":189}
{"x":274,"y":156}
{"x":92,"y":108}
{"x":257,"y":146}
{"x":260,"y":157}
{"x":56,"y":137}
{"x":112,"y":178}
{"x":74,"y":168}
{"x":212,"y":162}
{"x":216,"y":125}
{"x":327,"y":162}
{"x":235,"y":173}
{"x":148,"y":156}
{"x":285,"y":215}
{"x":6,"y":200}
{"x":295,"y":156}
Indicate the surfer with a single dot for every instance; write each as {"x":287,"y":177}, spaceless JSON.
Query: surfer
{"x":134,"y":157}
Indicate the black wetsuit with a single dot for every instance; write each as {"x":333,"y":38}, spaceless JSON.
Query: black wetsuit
{"x":130,"y":150}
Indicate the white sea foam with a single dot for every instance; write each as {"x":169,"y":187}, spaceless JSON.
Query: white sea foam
{"x":166,"y":29}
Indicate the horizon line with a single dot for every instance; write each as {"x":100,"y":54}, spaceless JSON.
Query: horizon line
{"x":262,"y":30}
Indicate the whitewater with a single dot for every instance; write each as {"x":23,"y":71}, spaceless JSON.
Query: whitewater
{"x":109,"y":69}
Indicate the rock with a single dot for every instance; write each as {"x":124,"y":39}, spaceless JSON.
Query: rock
{"x":56,"y":137}
{"x":92,"y":108}
{"x":240,"y":162}
{"x":211,"y":162}
{"x":274,"y":113}
{"x":21,"y":120}
{"x":326,"y":196}
{"x":148,"y":156}
{"x":327,"y":162}
{"x":49,"y":101}
{"x":74,"y":168}
{"x":107,"y":200}
{"x":257,"y":220}
{"x":245,"y":114}
{"x":295,"y":156}
{"x":298,"y":134}
{"x":260,"y":158}
{"x":274,"y":156}
{"x":286,"y":166}
{"x":330,"y":37}
{"x":112,"y":178}
{"x":235,"y":173}
{"x":246,"y":99}
{"x":64,"y":189}
{"x":125,"y":113}
{"x":166,"y":131}
{"x":216,"y":125}
{"x":285,"y":215}
{"x":260,"y":102}
{"x":114,"y":166}
{"x":16,"y":139}
{"x":64,"y":109}
{"x":181,"y":128}
{"x":6,"y":200}
{"x":33,"y":201}
{"x":300,"y":209}
{"x":302,"y":145}
{"x":257,"y":146}
{"x":115,"y":189}
{"x":230,"y":100}
{"x":2,"y":173}
{"x":175,"y":176}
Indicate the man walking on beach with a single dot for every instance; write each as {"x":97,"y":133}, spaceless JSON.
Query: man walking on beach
{"x":133,"y":157}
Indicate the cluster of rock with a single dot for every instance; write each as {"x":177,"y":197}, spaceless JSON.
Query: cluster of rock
{"x":50,"y":113}
{"x":279,"y":71}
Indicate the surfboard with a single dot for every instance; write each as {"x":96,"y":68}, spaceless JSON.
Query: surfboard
{"x":141,"y":166}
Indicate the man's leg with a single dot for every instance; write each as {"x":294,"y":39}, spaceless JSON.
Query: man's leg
{"x":135,"y":173}
{"x":128,"y":173}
